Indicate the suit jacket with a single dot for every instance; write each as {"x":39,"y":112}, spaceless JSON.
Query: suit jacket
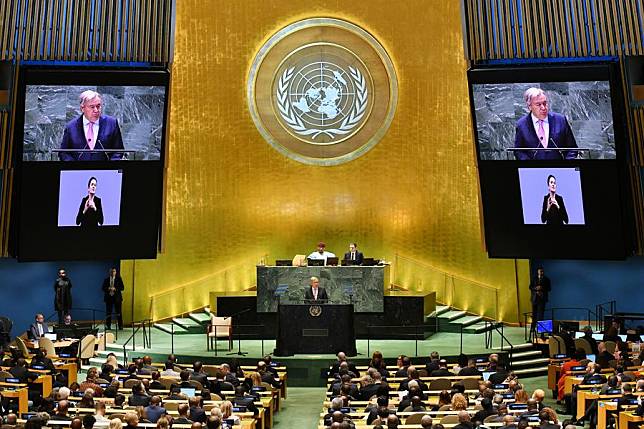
{"x":91,"y":218}
{"x":33,"y":330}
{"x":247,"y":402}
{"x":322,"y":295}
{"x":357,"y":261}
{"x":197,"y":414}
{"x":109,"y":137}
{"x":554,"y":216}
{"x":541,"y":296}
{"x":560,"y":136}
{"x":118,"y":285}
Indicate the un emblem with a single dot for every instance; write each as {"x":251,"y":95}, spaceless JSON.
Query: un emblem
{"x":315,"y":310}
{"x":322,"y":91}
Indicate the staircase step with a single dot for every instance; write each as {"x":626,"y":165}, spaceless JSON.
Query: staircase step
{"x":167,"y":328}
{"x":440,"y":309}
{"x":479,"y":328}
{"x":190,"y":325}
{"x":525,"y":354}
{"x":530,"y":362}
{"x":201,"y":318}
{"x":516,"y":346}
{"x":452,"y":315}
{"x":467,"y":321}
{"x":528,"y":372}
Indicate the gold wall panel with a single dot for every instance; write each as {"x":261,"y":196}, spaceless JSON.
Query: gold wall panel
{"x":232,"y":199}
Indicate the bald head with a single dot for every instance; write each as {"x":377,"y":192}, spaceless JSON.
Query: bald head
{"x":463,"y":416}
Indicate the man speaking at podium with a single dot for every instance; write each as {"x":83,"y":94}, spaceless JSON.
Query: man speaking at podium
{"x":316,"y":294}
{"x":93,"y":131}
{"x":543,"y":129}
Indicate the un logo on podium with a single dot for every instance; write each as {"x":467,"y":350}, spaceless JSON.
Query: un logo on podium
{"x":322,"y":91}
{"x":315,"y":310}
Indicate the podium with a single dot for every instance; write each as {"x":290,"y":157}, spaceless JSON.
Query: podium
{"x":315,"y":329}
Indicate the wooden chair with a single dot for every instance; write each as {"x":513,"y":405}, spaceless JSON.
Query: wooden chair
{"x":167,"y":382}
{"x":130,"y":383}
{"x":414,"y":419}
{"x":450,"y":419}
{"x":196,"y":384}
{"x":441,"y":384}
{"x":471,"y":383}
{"x":48,"y":345}
{"x":23,"y":348}
{"x":86,"y":348}
{"x":582,"y":343}
{"x":553,"y":346}
{"x":4,"y":375}
{"x":219,"y":327}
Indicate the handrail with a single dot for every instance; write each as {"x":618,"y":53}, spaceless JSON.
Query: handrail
{"x":132,"y":338}
{"x":454,"y":276}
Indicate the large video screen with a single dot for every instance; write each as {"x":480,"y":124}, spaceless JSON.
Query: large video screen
{"x":89,"y":156}
{"x":87,"y":115}
{"x":549,"y":140}
{"x":86,"y":212}
{"x":545,"y":114}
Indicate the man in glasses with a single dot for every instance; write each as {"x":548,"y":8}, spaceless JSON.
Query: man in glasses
{"x":92,"y":132}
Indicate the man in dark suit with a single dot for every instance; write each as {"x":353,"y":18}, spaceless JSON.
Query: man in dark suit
{"x":470,"y":369}
{"x":442,"y":370}
{"x":199,"y":375}
{"x":62,"y":294}
{"x":196,"y":413}
{"x":91,"y":130}
{"x":113,"y":297}
{"x":315,"y":293}
{"x":539,"y":290}
{"x":242,"y":400}
{"x":38,"y":328}
{"x":543,"y":129}
{"x":353,"y":256}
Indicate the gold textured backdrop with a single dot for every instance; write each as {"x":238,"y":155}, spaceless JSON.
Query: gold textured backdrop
{"x":232,"y":199}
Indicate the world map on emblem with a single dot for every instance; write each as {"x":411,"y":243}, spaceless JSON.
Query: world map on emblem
{"x":322,"y":101}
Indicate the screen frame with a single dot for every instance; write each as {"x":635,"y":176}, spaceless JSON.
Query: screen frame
{"x":105,"y":76}
{"x":607,"y":70}
{"x":545,"y":73}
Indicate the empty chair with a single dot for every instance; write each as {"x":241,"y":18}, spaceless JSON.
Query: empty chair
{"x":86,"y":348}
{"x":471,"y":383}
{"x":219,"y":327}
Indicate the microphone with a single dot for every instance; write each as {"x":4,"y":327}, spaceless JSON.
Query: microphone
{"x":560,"y":152}
{"x":107,"y":158}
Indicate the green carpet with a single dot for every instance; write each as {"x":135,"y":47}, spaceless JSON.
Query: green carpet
{"x":301,"y":409}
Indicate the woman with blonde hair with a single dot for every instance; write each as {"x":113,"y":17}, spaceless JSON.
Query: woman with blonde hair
{"x":116,"y":424}
{"x":256,"y":379}
{"x":459,"y":403}
{"x":521,"y":397}
{"x":227,"y":412}
{"x":163,"y":423}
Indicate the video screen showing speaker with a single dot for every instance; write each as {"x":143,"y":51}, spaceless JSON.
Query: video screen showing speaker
{"x":91,"y":115}
{"x":550,"y":142}
{"x":545,"y":113}
{"x":85,"y":212}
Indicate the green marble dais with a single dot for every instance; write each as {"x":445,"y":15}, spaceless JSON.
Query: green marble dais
{"x":366,"y":284}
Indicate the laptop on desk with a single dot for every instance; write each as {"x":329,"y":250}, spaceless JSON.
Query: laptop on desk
{"x":315,"y":262}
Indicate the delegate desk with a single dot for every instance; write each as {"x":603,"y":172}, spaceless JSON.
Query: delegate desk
{"x":305,"y":328}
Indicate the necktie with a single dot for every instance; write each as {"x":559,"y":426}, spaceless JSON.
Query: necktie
{"x":541,"y":133}
{"x":353,"y":256}
{"x":90,"y":136}
{"x":40,"y":329}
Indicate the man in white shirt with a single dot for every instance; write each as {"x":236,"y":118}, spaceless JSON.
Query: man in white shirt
{"x":321,"y":253}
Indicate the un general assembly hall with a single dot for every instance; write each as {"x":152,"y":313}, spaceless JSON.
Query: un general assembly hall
{"x":332,"y":214}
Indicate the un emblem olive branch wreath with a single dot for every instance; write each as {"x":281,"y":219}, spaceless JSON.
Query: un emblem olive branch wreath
{"x":295,"y":122}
